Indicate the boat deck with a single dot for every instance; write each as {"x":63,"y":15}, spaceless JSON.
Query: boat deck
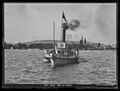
{"x":65,"y":56}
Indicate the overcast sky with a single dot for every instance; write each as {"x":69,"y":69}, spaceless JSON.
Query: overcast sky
{"x":34,"y":21}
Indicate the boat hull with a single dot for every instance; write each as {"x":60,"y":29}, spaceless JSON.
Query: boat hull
{"x":63,"y":61}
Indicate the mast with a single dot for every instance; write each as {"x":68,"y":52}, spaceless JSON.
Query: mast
{"x":61,"y":27}
{"x":53,"y":35}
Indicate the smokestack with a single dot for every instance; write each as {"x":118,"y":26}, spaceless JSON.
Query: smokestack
{"x":64,"y":35}
{"x":73,"y":25}
{"x":64,"y":27}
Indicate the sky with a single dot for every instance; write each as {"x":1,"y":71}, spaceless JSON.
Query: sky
{"x":25,"y":22}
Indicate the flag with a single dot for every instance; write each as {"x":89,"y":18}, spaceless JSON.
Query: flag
{"x":61,"y":45}
{"x":64,"y":17}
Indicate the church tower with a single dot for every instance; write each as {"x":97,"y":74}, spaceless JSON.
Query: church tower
{"x":84,"y":40}
{"x":81,"y":41}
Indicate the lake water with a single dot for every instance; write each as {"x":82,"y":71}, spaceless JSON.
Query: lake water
{"x":27,"y":67}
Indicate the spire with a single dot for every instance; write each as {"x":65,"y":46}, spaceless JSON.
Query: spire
{"x":81,"y":40}
{"x":82,"y":37}
{"x":84,"y":40}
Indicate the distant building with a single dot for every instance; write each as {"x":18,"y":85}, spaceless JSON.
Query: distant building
{"x":114,"y":45}
{"x":84,"y":40}
{"x":11,"y":48}
{"x":81,"y":41}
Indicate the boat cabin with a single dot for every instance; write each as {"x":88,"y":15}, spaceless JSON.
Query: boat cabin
{"x":62,"y":49}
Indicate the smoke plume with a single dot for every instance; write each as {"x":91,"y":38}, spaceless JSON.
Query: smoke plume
{"x":65,"y":26}
{"x":73,"y":25}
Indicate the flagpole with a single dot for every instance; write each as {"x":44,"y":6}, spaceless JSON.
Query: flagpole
{"x":61,"y":26}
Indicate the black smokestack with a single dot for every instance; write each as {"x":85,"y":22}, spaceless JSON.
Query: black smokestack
{"x":65,"y":27}
{"x":64,"y":35}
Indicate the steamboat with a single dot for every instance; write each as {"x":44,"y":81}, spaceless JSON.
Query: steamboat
{"x":62,"y":52}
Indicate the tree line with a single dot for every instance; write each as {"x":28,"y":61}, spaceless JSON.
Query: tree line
{"x":27,"y":46}
{"x":50,"y":46}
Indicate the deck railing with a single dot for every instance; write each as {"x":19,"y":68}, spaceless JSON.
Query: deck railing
{"x":67,"y":53}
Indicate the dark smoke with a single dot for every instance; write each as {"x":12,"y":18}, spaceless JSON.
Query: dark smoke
{"x":73,"y":25}
{"x":65,"y":26}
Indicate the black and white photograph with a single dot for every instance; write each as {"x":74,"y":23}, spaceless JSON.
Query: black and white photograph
{"x":60,"y":44}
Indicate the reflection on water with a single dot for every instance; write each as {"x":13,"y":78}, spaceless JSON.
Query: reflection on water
{"x":27,"y":67}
